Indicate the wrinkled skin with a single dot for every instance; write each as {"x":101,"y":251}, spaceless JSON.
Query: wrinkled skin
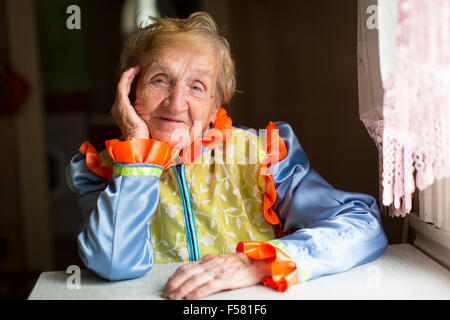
{"x":175,"y":95}
{"x":214,"y":273}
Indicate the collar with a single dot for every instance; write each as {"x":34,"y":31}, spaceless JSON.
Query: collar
{"x":220,"y":132}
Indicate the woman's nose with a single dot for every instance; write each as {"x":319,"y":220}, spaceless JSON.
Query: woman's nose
{"x":177,"y":99}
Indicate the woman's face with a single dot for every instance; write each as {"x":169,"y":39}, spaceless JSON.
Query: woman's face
{"x":175,"y":93}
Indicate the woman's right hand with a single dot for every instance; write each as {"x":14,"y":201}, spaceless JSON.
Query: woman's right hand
{"x":129,"y":122}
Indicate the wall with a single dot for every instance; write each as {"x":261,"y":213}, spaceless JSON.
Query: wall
{"x":296,"y":62}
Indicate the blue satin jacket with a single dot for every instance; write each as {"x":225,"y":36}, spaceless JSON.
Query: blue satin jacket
{"x":328,"y":230}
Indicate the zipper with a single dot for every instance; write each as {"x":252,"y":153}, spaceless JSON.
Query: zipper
{"x":188,"y":213}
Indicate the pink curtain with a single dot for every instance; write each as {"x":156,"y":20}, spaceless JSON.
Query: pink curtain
{"x":416,"y":104}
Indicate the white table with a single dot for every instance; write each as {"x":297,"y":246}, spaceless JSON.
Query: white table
{"x":402,"y":272}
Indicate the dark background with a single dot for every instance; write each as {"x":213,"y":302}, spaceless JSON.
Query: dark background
{"x":296,"y":62}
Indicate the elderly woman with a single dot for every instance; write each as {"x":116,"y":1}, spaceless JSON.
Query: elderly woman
{"x":185,"y":185}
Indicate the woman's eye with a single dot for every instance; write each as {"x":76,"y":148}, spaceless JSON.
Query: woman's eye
{"x":159,"y":81}
{"x":197,"y":87}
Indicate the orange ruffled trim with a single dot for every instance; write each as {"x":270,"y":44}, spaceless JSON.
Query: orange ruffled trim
{"x":220,"y":132}
{"x":276,"y":151}
{"x":283,"y":270}
{"x":93,"y":161}
{"x":152,"y":151}
{"x":147,"y":151}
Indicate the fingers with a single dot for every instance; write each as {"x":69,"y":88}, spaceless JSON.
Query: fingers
{"x":181,"y":274}
{"x":194,"y":278}
{"x":126,"y":79}
{"x":211,"y":274}
{"x":206,"y":289}
{"x":129,"y":122}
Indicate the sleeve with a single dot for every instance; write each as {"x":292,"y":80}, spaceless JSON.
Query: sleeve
{"x":327,"y":230}
{"x":116,"y":205}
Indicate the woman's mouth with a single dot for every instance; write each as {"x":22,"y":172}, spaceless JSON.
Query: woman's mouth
{"x":168,"y":124}
{"x":172,"y":120}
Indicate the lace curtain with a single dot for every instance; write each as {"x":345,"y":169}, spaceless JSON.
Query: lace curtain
{"x":369,"y":78}
{"x":411,"y":126}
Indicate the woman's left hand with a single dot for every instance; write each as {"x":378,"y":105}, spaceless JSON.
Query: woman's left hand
{"x":214,"y":273}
